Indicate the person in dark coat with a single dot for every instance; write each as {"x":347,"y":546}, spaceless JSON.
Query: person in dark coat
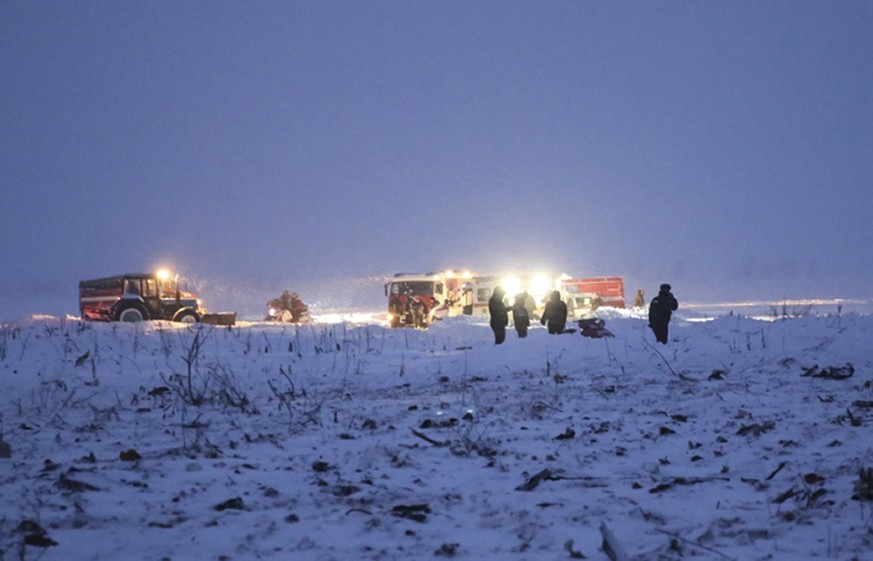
{"x":419,"y":311}
{"x":499,"y":316}
{"x":520,"y":317}
{"x":555,"y":314}
{"x":661,"y":310}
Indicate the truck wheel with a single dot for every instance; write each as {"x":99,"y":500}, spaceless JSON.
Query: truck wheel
{"x":187,"y":316}
{"x":131,"y":314}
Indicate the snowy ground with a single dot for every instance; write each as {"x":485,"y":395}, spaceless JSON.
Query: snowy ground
{"x":741,"y":439}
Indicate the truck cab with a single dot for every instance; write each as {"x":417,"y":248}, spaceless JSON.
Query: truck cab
{"x":428,"y":288}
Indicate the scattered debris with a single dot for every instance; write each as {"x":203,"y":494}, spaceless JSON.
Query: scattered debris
{"x":129,"y":456}
{"x":684,"y":481}
{"x":782,"y":497}
{"x":813,"y":478}
{"x":429,"y":440}
{"x":447,"y":550}
{"x":566,"y":435}
{"x":417,"y":513}
{"x":35,"y":535}
{"x":39,"y":540}
{"x":610,"y":545}
{"x":574,"y":554}
{"x":864,"y":485}
{"x":830,"y":372}
{"x":81,"y":360}
{"x":775,"y":471}
{"x":75,"y":486}
{"x":594,"y":328}
{"x":756,"y":429}
{"x":533,"y":482}
{"x":235,"y":503}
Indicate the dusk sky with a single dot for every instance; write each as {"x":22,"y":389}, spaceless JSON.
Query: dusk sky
{"x":724,"y":147}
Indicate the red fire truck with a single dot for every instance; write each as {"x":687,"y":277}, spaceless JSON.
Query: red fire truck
{"x":454,"y":293}
{"x":586,"y":295}
{"x":138,"y":297}
{"x":404,"y":287}
{"x":442,"y":294}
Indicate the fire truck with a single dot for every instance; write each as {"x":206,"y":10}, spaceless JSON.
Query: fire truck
{"x":138,"y":297}
{"x":403,"y":288}
{"x":583,"y":296}
{"x":452,"y":293}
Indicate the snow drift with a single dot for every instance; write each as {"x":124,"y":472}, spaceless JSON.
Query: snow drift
{"x":740,"y":439}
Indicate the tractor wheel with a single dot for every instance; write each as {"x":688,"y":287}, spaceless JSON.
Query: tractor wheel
{"x":131,"y":314}
{"x":187,"y":316}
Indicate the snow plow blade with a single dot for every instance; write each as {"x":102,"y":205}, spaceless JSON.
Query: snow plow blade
{"x":220,"y":318}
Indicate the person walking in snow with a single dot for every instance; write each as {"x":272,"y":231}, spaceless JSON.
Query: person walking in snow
{"x":660,"y":311}
{"x":520,"y":317}
{"x":499,"y":316}
{"x":555,"y":314}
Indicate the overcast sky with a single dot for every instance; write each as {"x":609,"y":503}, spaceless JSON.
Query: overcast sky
{"x":725,"y":147}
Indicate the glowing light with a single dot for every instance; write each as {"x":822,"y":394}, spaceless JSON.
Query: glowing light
{"x":163,"y":274}
{"x":511,"y":285}
{"x":540,"y":285}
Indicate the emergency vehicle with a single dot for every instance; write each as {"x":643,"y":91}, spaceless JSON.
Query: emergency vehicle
{"x":583,"y":296}
{"x":452,"y":293}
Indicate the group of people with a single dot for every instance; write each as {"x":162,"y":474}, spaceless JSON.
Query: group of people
{"x":287,"y":308}
{"x":554,"y":315}
{"x":410,"y":310}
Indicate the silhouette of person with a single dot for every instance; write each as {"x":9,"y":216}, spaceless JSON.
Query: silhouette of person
{"x":499,"y":316}
{"x":520,"y":316}
{"x":419,"y":312}
{"x":639,"y":298}
{"x":555,"y":314}
{"x":661,"y":310}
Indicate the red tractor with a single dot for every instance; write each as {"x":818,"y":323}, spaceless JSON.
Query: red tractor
{"x":138,"y":297}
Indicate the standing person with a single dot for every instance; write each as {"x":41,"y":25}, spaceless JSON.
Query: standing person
{"x":419,"y":312}
{"x":660,"y":311}
{"x":530,"y":305}
{"x":499,"y":317}
{"x":520,"y":317}
{"x":639,"y":298}
{"x":555,"y":314}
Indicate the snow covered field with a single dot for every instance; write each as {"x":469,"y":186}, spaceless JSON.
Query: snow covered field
{"x":741,"y":439}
